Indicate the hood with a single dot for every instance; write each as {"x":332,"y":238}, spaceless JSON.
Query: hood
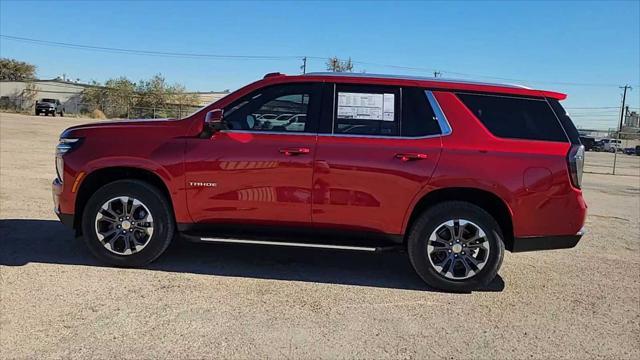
{"x":136,"y":126}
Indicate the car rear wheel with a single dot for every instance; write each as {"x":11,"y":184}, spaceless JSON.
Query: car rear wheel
{"x":456,"y":246}
{"x":128,"y":223}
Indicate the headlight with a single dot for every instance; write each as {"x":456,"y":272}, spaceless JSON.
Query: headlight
{"x":65,"y":145}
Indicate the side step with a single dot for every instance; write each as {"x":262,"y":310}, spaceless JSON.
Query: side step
{"x":297,"y":244}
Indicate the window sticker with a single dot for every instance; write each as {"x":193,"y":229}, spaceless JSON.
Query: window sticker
{"x":362,"y":106}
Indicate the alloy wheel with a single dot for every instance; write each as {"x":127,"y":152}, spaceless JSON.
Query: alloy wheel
{"x":458,"y":249}
{"x":124,"y":225}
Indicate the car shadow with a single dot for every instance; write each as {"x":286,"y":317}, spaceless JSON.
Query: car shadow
{"x":24,"y":241}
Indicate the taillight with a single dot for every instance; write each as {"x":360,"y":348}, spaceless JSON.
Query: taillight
{"x":575,"y":161}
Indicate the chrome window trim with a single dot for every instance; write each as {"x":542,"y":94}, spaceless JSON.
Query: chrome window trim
{"x":383,"y":137}
{"x":268,"y":132}
{"x":329,"y":135}
{"x":445,"y":127}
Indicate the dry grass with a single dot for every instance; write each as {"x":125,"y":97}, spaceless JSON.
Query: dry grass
{"x":97,"y":114}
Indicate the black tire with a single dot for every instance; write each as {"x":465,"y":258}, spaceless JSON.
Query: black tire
{"x":61,"y":113}
{"x":53,"y":113}
{"x":427,"y":223}
{"x":153,"y":199}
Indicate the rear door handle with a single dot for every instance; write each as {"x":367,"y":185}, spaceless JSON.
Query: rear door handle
{"x":295,"y":151}
{"x":411,"y":156}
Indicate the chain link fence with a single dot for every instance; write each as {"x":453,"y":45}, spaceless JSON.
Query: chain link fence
{"x":616,"y":153}
{"x":75,"y":107}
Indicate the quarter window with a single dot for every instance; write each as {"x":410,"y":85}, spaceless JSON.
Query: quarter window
{"x":513,"y":117}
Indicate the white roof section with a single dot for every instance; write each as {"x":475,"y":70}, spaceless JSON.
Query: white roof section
{"x":416,"y":78}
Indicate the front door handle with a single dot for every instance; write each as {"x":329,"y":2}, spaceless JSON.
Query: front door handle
{"x":411,"y":156}
{"x":295,"y":151}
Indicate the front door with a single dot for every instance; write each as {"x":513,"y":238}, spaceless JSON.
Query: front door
{"x":259,"y":170}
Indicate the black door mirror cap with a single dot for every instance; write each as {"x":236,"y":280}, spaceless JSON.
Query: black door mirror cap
{"x":213,"y":119}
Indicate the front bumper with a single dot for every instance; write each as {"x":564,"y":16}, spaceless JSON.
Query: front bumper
{"x":546,"y":242}
{"x":56,"y":190}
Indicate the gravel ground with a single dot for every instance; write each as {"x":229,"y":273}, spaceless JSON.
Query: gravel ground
{"x":233,"y":301}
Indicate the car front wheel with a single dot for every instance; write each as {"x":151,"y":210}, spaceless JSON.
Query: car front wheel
{"x":456,"y":246}
{"x":128,"y":223}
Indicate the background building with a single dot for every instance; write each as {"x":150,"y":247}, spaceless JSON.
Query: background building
{"x":22,"y":95}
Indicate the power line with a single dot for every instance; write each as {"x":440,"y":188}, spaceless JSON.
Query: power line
{"x":146,"y":52}
{"x":596,"y":107}
{"x":276,"y":57}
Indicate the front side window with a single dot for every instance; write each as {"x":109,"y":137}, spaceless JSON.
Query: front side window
{"x":280,"y":108}
{"x":366,"y":110}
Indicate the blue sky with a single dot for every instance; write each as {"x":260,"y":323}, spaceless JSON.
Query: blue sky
{"x":550,"y":45}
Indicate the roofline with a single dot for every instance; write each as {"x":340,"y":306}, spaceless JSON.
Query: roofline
{"x":428,"y":82}
{"x":415,"y":78}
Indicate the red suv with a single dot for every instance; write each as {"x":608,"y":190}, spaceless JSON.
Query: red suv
{"x":455,"y":172}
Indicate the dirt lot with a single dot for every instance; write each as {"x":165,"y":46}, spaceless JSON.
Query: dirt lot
{"x":248,"y":302}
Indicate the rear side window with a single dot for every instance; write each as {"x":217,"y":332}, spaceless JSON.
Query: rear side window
{"x":418,"y":119}
{"x":517,"y":118}
{"x":367,"y":110}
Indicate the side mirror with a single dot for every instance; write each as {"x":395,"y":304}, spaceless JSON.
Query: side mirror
{"x":214,"y":119}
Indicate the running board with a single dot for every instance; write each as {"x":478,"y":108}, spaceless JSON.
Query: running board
{"x":297,"y":244}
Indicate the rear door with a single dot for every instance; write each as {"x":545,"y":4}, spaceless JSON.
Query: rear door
{"x":375,"y":152}
{"x":259,"y":170}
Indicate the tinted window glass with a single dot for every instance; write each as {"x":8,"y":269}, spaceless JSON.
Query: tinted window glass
{"x":418,"y":118}
{"x":366,"y":110}
{"x":284,"y":108}
{"x":567,"y":124}
{"x":519,"y":118}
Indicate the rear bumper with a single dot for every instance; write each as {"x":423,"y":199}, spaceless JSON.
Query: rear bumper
{"x":546,"y":242}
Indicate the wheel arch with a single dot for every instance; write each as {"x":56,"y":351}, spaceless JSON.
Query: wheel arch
{"x":100,"y":177}
{"x":486,"y":200}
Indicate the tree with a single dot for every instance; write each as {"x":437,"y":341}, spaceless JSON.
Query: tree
{"x":14,"y":70}
{"x":336,"y":65}
{"x":114,"y":98}
{"x":148,"y":98}
{"x":29,"y":93}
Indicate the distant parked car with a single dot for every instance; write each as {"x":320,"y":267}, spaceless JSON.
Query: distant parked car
{"x":637,"y":150}
{"x":598,"y":146}
{"x":588,"y":142}
{"x":611,"y":145}
{"x":49,"y":107}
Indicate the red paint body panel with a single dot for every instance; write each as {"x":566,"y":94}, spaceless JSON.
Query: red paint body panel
{"x":473,"y":157}
{"x":156,"y":146}
{"x":359,"y":183}
{"x":255,"y":182}
{"x":335,"y":181}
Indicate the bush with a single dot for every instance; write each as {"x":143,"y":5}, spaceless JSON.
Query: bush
{"x":97,"y":114}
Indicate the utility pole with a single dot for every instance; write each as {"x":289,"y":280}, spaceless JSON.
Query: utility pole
{"x":624,"y":98}
{"x":304,"y":65}
{"x":437,"y":74}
